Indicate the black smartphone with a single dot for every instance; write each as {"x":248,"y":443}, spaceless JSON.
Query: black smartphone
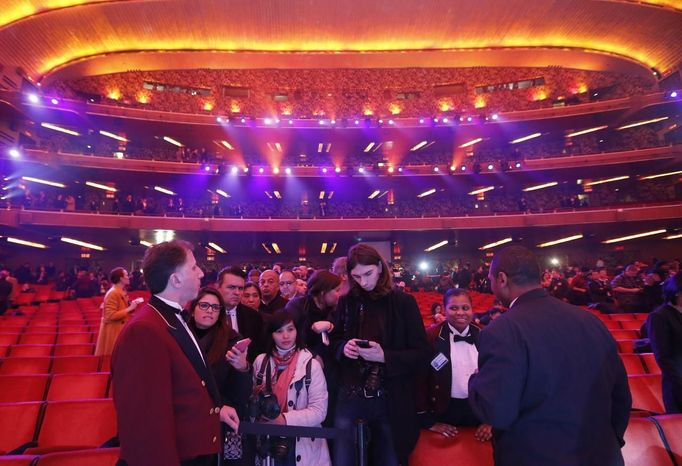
{"x":362,"y":343}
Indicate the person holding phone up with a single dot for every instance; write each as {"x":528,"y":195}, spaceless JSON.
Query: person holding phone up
{"x":379,"y":343}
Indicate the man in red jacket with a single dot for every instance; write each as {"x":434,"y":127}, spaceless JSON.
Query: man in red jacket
{"x":166,"y":400}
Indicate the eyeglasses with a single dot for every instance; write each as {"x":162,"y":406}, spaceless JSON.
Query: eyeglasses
{"x":204,"y":306}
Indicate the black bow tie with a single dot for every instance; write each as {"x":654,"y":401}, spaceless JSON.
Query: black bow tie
{"x":467,"y":339}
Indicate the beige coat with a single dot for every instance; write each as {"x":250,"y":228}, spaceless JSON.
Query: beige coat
{"x":114,"y":315}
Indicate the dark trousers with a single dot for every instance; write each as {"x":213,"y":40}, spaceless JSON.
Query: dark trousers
{"x":204,"y":460}
{"x":374,"y":412}
{"x":459,"y":413}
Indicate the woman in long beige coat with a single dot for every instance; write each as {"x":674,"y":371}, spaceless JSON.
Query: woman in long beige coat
{"x":116,"y":309}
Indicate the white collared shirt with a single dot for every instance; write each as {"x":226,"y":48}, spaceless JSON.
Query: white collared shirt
{"x":175,"y":305}
{"x":232,"y":315}
{"x":463,"y":361}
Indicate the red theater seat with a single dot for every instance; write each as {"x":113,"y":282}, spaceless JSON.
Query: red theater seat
{"x":624,"y":334}
{"x":671,"y":425}
{"x":37,"y":339}
{"x":74,"y":350}
{"x":643,"y":444}
{"x":78,"y":386}
{"x":75,"y":364}
{"x":622,"y":316}
{"x":14,"y":388}
{"x":646,"y":393}
{"x":30,"y":351}
{"x":17,"y":424}
{"x":75,"y":425}
{"x":92,"y":457}
{"x":650,"y":363}
{"x":434,"y":449}
{"x":626,"y":346}
{"x":12,"y":366}
{"x":74,"y":338}
{"x":17,"y":460}
{"x":612,"y":324}
{"x":631,"y":325}
{"x":4,"y":350}
{"x":633,"y":364}
{"x":7,"y":339}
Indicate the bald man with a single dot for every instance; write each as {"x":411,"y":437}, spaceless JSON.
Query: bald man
{"x":271,"y":298}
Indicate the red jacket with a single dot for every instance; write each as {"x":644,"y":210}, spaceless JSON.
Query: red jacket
{"x":165,"y":397}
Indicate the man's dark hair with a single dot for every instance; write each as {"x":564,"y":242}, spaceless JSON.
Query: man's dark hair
{"x":365,"y":254}
{"x":116,"y":275}
{"x":518,"y":263}
{"x":231,"y":270}
{"x":454,"y":292}
{"x":161,"y":261}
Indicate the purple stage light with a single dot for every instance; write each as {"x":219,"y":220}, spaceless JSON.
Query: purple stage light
{"x":490,"y":166}
{"x":14,"y":153}
{"x":518,"y":165}
{"x":421,"y":121}
{"x":54,"y":101}
{"x":495,"y":116}
{"x":337,"y":169}
{"x":33,"y":98}
{"x":324,"y":169}
{"x":463,"y":168}
{"x":207,"y":168}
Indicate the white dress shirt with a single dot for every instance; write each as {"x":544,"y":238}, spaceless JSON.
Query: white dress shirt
{"x":232,"y":315}
{"x":464,"y":362}
{"x":175,"y":305}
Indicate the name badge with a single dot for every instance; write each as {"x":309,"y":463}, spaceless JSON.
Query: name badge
{"x":439,"y":361}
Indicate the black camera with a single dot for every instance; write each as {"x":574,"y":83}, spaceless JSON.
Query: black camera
{"x":275,"y":447}
{"x":264,"y":404}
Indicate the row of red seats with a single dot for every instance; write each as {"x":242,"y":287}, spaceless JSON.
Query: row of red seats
{"x":43,"y":427}
{"x":638,"y":364}
{"x":55,"y":365}
{"x":16,"y":351}
{"x":88,"y":457}
{"x":650,"y":441}
{"x":48,"y":337}
{"x":53,"y":387}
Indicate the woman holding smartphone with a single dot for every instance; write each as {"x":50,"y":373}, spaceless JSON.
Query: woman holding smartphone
{"x":380,"y":344}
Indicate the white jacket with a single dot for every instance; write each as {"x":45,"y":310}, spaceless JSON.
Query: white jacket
{"x":309,"y":409}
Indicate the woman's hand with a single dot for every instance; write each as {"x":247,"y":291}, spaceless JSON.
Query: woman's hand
{"x":484,"y":433}
{"x":446,"y":430}
{"x":237,"y":359}
{"x":375,"y":353}
{"x":228,"y":415}
{"x":322,"y":326}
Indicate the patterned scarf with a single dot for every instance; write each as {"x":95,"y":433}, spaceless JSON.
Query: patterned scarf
{"x":285,"y":366}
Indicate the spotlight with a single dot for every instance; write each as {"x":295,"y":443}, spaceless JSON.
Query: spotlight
{"x":14,"y":153}
{"x":463,"y":168}
{"x":423,"y":266}
{"x":267,"y":121}
{"x":381,"y":122}
{"x":243,"y":120}
{"x":321,"y":122}
{"x":291,"y":122}
{"x":337,"y":169}
{"x":435,"y":120}
{"x":400,"y":169}
{"x":518,"y":165}
{"x":275,"y":170}
{"x":421,"y":121}
{"x":391,"y":122}
{"x":674,"y":94}
{"x":357,"y":122}
{"x":469,"y":119}
{"x":33,"y":98}
{"x":234,"y":170}
{"x":452,"y":168}
{"x":207,"y":168}
{"x":495,"y":116}
{"x":436,"y":169}
{"x":54,"y":101}
{"x":390,"y":169}
{"x":261,"y":170}
{"x":445,"y":120}
{"x":490,"y":166}
{"x":361,"y":170}
{"x":287,"y":171}
{"x":245,"y":169}
{"x":276,"y":121}
{"x":333,"y":122}
{"x":324,"y":169}
{"x":219,"y":119}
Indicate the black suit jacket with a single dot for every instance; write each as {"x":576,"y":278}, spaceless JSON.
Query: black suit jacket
{"x":166,"y":400}
{"x":665,"y":332}
{"x":552,"y":385}
{"x":251,"y":325}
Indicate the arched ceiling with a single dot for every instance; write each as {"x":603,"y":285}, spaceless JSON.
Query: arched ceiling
{"x":67,"y":38}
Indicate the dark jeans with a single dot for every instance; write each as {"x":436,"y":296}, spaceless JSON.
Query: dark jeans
{"x":374,"y":412}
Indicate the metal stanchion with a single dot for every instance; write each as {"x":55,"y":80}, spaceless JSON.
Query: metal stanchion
{"x":361,"y":446}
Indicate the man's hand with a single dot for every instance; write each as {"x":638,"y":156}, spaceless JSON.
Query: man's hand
{"x":446,"y":430}
{"x":375,"y":353}
{"x":228,"y":415}
{"x":484,"y":433}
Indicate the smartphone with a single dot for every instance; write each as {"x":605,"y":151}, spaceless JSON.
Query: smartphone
{"x":241,"y":345}
{"x":362,"y":343}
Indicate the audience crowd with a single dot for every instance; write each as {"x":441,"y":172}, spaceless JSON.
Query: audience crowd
{"x":352,"y":93}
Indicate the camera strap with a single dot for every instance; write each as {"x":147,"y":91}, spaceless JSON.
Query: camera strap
{"x":264,"y":370}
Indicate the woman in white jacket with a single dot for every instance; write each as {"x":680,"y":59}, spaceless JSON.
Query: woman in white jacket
{"x":298,"y":383}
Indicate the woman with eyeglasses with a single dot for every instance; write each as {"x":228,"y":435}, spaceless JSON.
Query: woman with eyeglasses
{"x":208,"y":321}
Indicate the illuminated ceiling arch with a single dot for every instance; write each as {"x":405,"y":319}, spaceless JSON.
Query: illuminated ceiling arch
{"x":52,"y":38}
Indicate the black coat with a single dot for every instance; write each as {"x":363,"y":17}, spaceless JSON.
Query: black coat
{"x":665,"y":332}
{"x":552,"y":385}
{"x":406,"y":352}
{"x":251,"y":325}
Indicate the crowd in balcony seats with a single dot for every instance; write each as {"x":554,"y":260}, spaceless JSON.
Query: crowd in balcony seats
{"x":508,"y":200}
{"x":603,"y":281}
{"x":352,"y":93}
